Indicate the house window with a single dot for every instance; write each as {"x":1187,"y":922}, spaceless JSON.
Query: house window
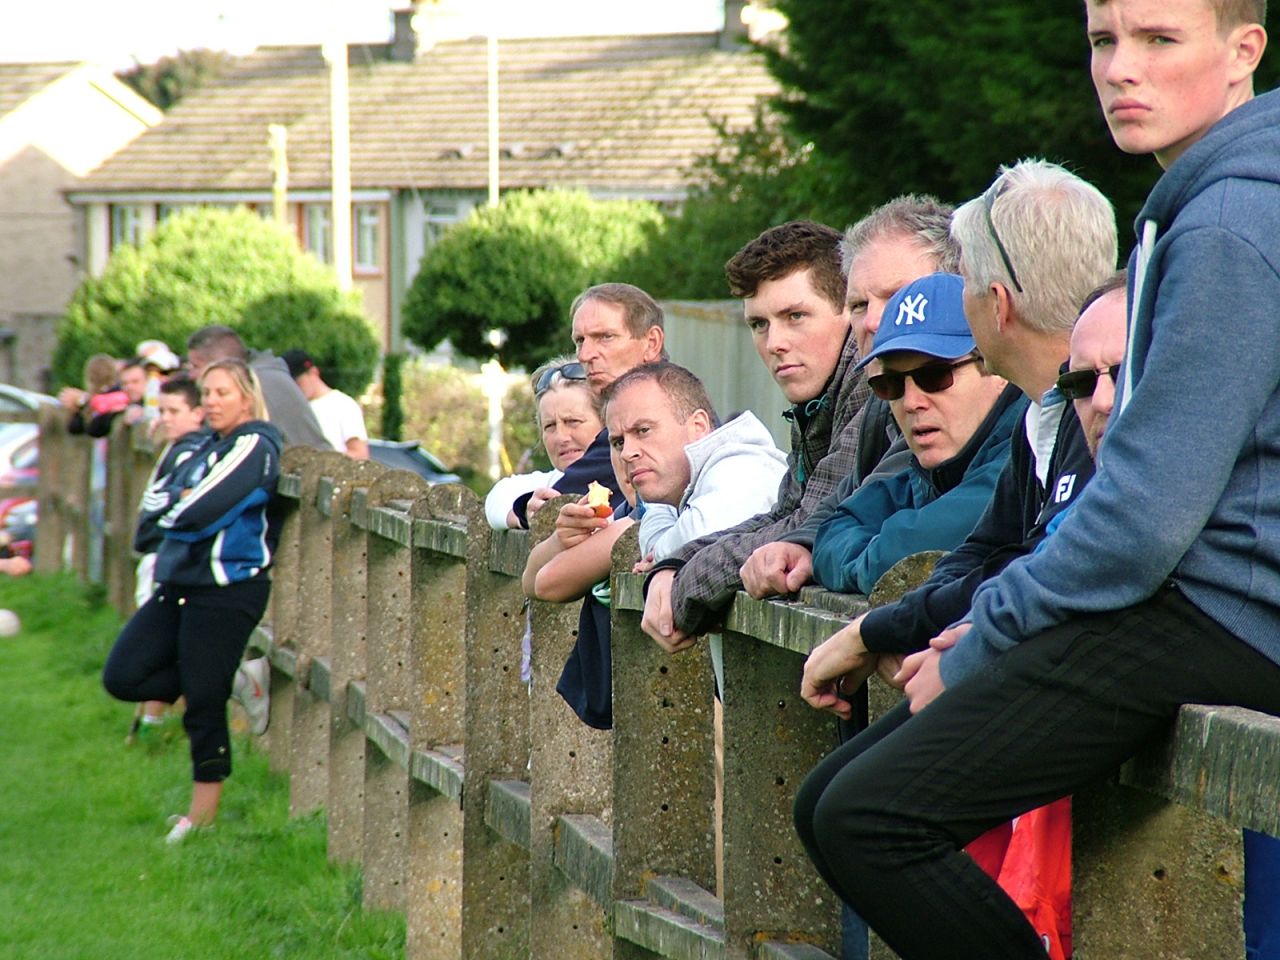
{"x":126,"y":224}
{"x":440,"y":217}
{"x":318,"y":231}
{"x":367,"y":225}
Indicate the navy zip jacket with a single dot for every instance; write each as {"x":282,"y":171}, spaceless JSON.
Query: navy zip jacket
{"x":222,"y":531}
{"x":148,"y":535}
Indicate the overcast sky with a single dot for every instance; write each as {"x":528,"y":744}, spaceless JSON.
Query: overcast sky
{"x":116,"y":32}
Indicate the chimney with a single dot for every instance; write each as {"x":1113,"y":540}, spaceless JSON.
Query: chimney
{"x":404,"y":40}
{"x":734,"y":33}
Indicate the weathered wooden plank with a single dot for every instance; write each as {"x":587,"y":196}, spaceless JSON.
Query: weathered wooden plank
{"x":509,"y":552}
{"x":390,"y":736}
{"x":289,"y":485}
{"x":319,"y":681}
{"x":438,"y":537}
{"x":390,"y":524}
{"x":686,"y":897}
{"x":284,"y":660}
{"x":355,"y":702}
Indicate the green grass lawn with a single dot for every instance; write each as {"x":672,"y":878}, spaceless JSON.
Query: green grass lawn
{"x":84,"y":870}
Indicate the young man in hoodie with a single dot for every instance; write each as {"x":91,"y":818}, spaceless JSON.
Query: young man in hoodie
{"x":1162,"y":585}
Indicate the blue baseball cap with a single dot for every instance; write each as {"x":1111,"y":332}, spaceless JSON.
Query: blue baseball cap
{"x":925,"y":316}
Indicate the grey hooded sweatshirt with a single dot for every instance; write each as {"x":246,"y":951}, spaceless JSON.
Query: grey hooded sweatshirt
{"x":1188,"y":481}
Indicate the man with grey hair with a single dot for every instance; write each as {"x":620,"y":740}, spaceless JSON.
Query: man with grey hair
{"x":616,"y":326}
{"x":905,"y":239}
{"x":1034,"y":245}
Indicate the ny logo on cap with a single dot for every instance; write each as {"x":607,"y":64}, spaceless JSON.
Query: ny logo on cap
{"x":911,"y":310}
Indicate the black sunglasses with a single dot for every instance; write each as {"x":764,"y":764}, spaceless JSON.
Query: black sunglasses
{"x":1080,"y":384}
{"x":989,"y":201}
{"x":930,"y":377}
{"x":567,"y":371}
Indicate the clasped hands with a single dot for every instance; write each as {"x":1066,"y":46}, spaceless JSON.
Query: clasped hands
{"x":840,"y":664}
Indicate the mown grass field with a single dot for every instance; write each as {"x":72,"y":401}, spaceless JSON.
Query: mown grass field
{"x":84,"y":871}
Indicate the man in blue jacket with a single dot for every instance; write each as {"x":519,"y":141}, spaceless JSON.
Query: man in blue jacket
{"x":957,"y":419}
{"x":1162,"y":585}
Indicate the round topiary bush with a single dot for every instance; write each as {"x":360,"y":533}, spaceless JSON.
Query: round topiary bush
{"x":516,"y":267}
{"x":203,"y":266}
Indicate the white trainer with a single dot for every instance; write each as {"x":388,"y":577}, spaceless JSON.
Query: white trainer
{"x":252,"y":688}
{"x":179,"y":829}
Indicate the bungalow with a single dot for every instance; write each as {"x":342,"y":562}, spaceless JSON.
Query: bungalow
{"x":58,"y":121}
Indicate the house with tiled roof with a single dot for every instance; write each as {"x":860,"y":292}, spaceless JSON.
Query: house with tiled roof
{"x":616,"y":116}
{"x":58,"y":122}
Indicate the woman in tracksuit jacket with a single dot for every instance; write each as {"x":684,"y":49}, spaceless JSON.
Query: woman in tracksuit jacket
{"x":211,"y":569}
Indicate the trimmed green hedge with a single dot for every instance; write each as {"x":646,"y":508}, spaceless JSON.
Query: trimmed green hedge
{"x":204,"y":266}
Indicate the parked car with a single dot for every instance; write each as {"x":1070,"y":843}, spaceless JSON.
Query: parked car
{"x":16,"y":400}
{"x":410,"y":455}
{"x":19,"y":466}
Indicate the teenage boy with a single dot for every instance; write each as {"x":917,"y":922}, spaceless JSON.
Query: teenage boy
{"x":1152,"y":592}
{"x":181,"y":420}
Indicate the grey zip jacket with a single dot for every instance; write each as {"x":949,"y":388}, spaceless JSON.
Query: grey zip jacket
{"x":1188,"y":481}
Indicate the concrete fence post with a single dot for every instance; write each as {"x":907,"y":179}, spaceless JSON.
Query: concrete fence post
{"x":282,"y":611}
{"x":309,"y":725}
{"x":772,"y":739}
{"x":433,"y":909}
{"x":388,"y":700}
{"x":53,"y":528}
{"x":663,"y":758}
{"x":347,"y":665}
{"x":571,"y":769}
{"x":495,"y":871}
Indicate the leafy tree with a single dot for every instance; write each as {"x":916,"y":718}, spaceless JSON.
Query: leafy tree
{"x":515,"y":268}
{"x":205,"y":266}
{"x":169,"y":79}
{"x":934,"y":95}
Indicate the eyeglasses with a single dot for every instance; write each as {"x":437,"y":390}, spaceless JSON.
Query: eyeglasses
{"x":1080,"y":384}
{"x":930,"y":377}
{"x":989,"y":201}
{"x":567,"y":371}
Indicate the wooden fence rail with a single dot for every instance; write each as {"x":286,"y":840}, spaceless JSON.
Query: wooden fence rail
{"x":504,"y":828}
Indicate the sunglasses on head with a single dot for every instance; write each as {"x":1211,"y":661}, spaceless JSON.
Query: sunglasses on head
{"x":1080,"y":384}
{"x":567,"y":371}
{"x":988,"y":201}
{"x":930,"y":377}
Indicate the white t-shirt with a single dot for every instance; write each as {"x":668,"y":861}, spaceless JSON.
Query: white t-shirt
{"x":340,"y":419}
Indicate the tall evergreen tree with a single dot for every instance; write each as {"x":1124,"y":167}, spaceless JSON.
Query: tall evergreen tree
{"x":933,"y":95}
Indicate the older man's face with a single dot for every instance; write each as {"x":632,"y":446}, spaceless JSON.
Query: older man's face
{"x":937,"y":423}
{"x":885,"y":266}
{"x":1097,"y":345}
